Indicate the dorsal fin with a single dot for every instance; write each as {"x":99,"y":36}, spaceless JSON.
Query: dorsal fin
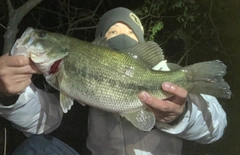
{"x":149,"y":52}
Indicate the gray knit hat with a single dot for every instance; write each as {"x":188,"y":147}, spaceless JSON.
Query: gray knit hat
{"x":120,"y":15}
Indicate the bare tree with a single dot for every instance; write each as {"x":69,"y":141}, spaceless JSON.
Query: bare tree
{"x":14,"y":18}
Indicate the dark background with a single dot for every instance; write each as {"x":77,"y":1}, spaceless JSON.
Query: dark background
{"x":189,"y":31}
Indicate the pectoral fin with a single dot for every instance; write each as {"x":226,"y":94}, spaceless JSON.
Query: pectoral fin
{"x":143,"y":119}
{"x":66,"y":102}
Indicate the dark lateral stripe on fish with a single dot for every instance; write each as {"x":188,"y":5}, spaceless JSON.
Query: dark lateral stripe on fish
{"x":103,"y":79}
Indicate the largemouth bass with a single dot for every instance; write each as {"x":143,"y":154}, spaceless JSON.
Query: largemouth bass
{"x":95,"y":75}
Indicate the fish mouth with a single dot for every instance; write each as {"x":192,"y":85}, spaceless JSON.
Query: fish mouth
{"x":55,"y":67}
{"x":21,"y":45}
{"x":24,"y":46}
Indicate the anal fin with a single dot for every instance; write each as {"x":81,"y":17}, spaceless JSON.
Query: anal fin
{"x":144,"y":119}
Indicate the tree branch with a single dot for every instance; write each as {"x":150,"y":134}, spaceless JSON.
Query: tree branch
{"x":189,"y":50}
{"x":214,"y":26}
{"x":15,"y":17}
{"x":83,"y":28}
{"x":1,"y":25}
{"x":88,"y":17}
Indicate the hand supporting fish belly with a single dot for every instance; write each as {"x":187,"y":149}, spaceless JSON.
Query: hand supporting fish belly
{"x":95,"y":75}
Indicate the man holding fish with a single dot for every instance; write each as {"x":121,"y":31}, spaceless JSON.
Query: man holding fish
{"x":193,"y":117}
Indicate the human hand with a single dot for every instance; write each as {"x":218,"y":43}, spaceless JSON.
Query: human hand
{"x":15,"y":74}
{"x":169,"y":109}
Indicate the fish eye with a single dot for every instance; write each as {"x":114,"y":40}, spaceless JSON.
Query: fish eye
{"x":42,"y":34}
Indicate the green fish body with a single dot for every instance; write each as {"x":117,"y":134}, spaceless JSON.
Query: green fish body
{"x":109,"y":80}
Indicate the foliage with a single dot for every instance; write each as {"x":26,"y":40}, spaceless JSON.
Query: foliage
{"x":183,"y":28}
{"x":153,"y":13}
{"x":154,"y":29}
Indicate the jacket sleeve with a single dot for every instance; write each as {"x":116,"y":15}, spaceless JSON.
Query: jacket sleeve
{"x":35,"y":112}
{"x":204,"y":121}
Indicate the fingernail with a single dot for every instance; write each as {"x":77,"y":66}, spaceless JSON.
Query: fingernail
{"x":169,"y":85}
{"x":143,"y":96}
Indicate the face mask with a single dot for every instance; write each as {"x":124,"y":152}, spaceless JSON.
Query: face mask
{"x":121,"y":42}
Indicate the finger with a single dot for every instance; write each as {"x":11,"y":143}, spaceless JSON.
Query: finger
{"x":20,"y":86}
{"x":21,"y":77}
{"x":17,"y":61}
{"x":10,"y":81}
{"x":154,"y":102}
{"x":28,"y":69}
{"x":174,"y":89}
{"x":15,"y":88}
{"x":20,"y":61}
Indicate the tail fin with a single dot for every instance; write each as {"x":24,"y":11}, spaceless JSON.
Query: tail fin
{"x":207,"y":78}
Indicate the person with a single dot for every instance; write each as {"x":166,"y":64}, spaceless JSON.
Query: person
{"x":187,"y":116}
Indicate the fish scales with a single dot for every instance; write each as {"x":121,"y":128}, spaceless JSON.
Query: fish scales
{"x":107,"y":81}
{"x":92,"y":73}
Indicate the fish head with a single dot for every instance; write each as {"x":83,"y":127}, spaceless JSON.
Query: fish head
{"x":43,"y":47}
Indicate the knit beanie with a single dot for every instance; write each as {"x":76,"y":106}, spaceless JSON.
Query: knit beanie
{"x":123,"y":15}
